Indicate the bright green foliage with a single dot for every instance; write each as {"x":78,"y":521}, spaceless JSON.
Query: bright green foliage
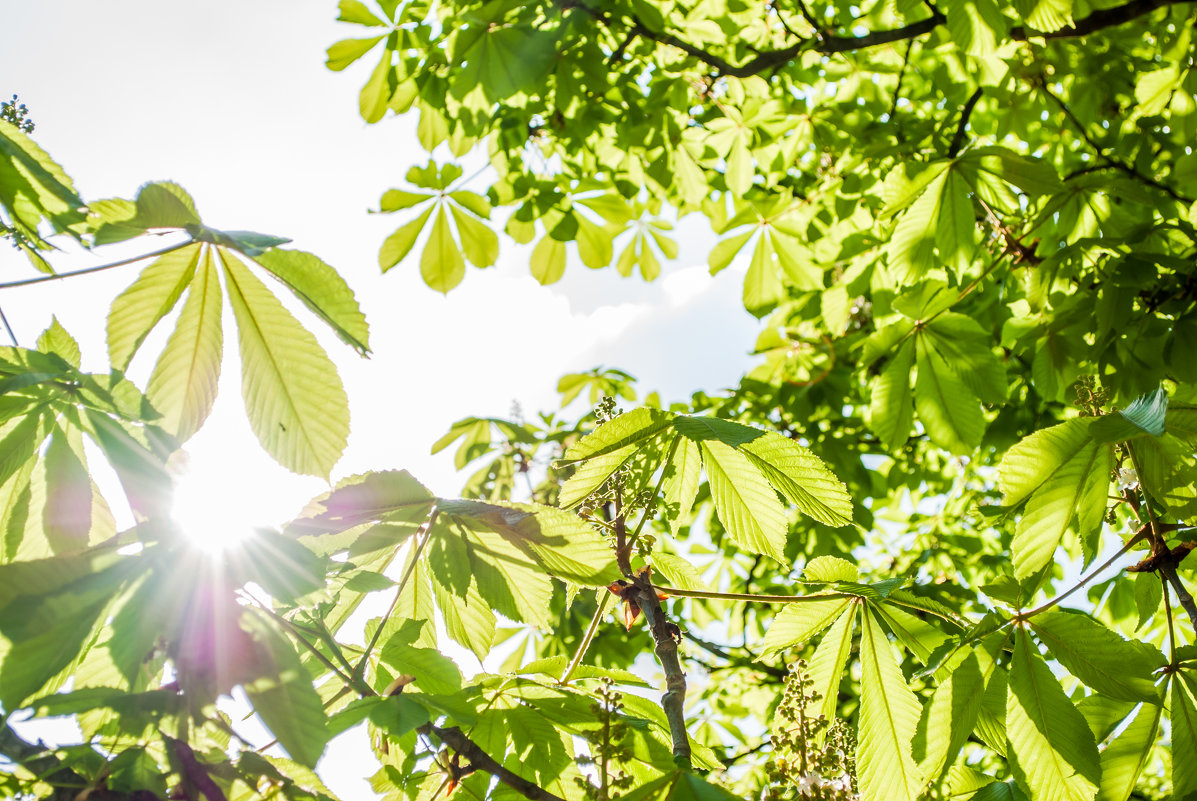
{"x":969,"y":233}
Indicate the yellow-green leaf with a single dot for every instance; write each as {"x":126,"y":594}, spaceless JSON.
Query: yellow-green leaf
{"x":184,"y":382}
{"x":296,"y":404}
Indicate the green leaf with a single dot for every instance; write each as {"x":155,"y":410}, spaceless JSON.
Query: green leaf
{"x":1182,"y":713}
{"x":762,"y":284}
{"x":468,"y":618}
{"x":828,"y":663}
{"x":396,"y":246}
{"x":356,"y":11}
{"x":372,"y":103}
{"x":435,"y":673}
{"x":294,"y":399}
{"x":950,"y":413}
{"x":1045,"y":15}
{"x":441,"y":264}
{"x":677,"y":571}
{"x":347,"y":51}
{"x":1126,"y":755}
{"x":889,"y":717}
{"x":679,"y":786}
{"x":478,"y":242}
{"x":949,"y":716}
{"x":1115,"y":667}
{"x":1052,"y":751}
{"x":283,"y":567}
{"x":726,"y":249}
{"x":680,"y":485}
{"x":33,"y":187}
{"x":67,"y":515}
{"x":49,"y":632}
{"x":1066,"y":475}
{"x":605,"y":449}
{"x":745,"y":502}
{"x":147,"y":300}
{"x":322,"y":290}
{"x":560,"y":542}
{"x":284,"y":698}
{"x":547,"y":261}
{"x":802,"y":477}
{"x":184,"y":383}
{"x":56,"y":340}
{"x":830,"y":569}
{"x":800,"y":621}
{"x":165,"y":205}
{"x":891,"y":411}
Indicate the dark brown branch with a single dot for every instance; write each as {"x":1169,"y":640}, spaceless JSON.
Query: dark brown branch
{"x":965,"y":113}
{"x":1099,"y":19}
{"x":1186,"y":600}
{"x":666,"y":635}
{"x":456,"y":739}
{"x":1108,"y":161}
{"x":193,"y":771}
{"x":829,"y":44}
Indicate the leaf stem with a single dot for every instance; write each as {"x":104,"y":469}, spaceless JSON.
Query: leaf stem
{"x":584,"y":646}
{"x":426,"y":529}
{"x":1139,"y":535}
{"x":87,"y":270}
{"x":356,"y":684}
{"x":748,"y":596}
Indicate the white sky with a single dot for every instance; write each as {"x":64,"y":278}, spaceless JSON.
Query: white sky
{"x":232,"y":101}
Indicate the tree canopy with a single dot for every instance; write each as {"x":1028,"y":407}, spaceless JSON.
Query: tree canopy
{"x":933,"y":545}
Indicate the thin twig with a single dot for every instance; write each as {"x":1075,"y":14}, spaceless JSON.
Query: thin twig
{"x":87,"y":270}
{"x":360,"y":670}
{"x":1110,"y":162}
{"x":349,"y":679}
{"x":749,"y":596}
{"x":962,"y":126}
{"x":584,"y":646}
{"x":8,"y":328}
{"x":1139,"y":535}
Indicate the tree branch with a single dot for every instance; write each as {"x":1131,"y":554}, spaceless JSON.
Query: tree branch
{"x":665,"y":638}
{"x":456,"y":739}
{"x":829,"y":44}
{"x":1099,"y":19}
{"x":1168,"y":571}
{"x":962,"y":126}
{"x":193,"y":771}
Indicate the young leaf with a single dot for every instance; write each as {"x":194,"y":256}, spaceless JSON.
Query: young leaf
{"x":184,"y":382}
{"x":1125,"y":757}
{"x":1052,"y":751}
{"x":1115,"y":667}
{"x":746,"y":504}
{"x":284,"y":698}
{"x":889,"y":717}
{"x":294,"y":399}
{"x":322,"y":290}
{"x":147,"y":300}
{"x":799,"y":622}
{"x":441,"y":263}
